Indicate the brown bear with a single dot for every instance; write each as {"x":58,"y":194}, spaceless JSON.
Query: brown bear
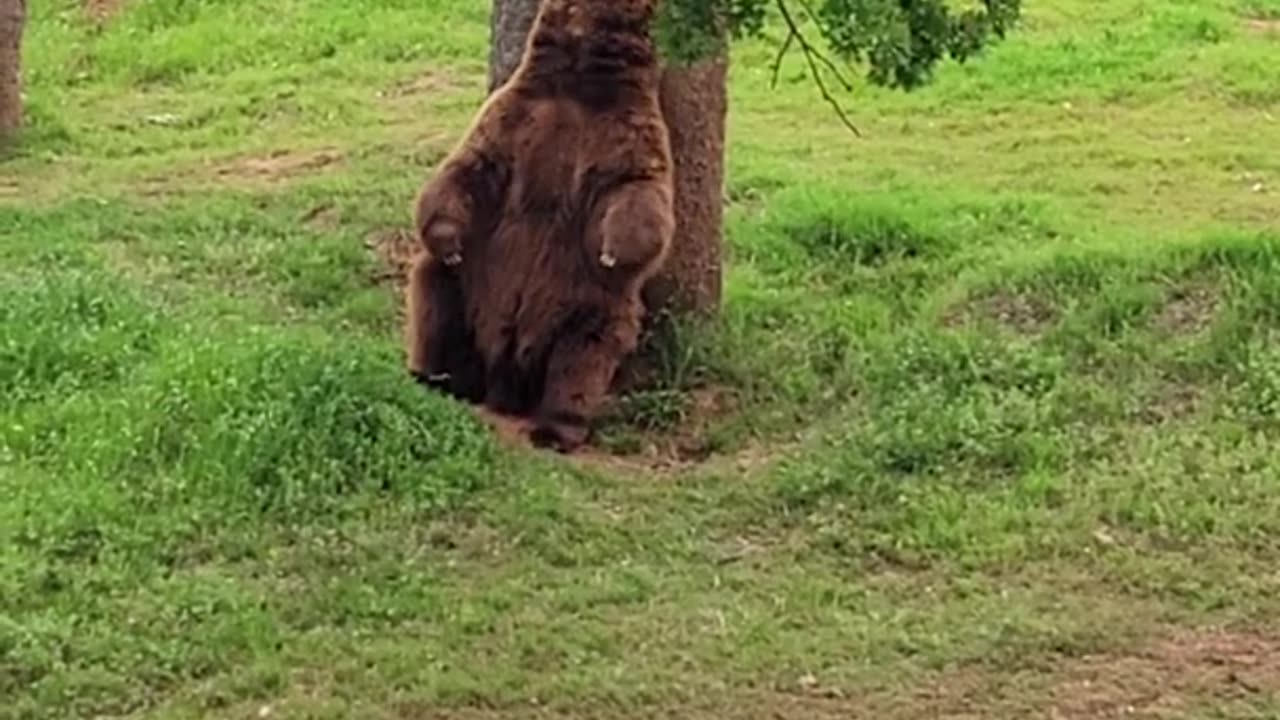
{"x":541,"y":228}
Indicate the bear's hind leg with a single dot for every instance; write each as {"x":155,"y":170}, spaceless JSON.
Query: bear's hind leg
{"x":440,"y":348}
{"x":510,"y":386}
{"x":580,"y":371}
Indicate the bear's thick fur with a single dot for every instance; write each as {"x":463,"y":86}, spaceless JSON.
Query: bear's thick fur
{"x":541,"y":228}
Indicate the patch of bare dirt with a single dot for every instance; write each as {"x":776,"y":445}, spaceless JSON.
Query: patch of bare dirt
{"x":687,"y":444}
{"x":435,"y":80}
{"x":395,"y":250}
{"x":279,"y":165}
{"x":270,"y":169}
{"x":1188,"y":311}
{"x":1176,"y":674}
{"x":1022,"y":313}
{"x":663,"y":453}
{"x":102,"y":9}
{"x":1171,"y":402}
{"x":321,"y":217}
{"x":688,"y":441}
{"x":158,"y":186}
{"x":1264,"y":25}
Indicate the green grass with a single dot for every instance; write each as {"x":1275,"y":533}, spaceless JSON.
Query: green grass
{"x":997,"y":391}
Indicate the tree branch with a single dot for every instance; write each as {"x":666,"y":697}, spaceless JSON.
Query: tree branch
{"x":848,"y":86}
{"x":777,"y":61}
{"x":812,"y":56}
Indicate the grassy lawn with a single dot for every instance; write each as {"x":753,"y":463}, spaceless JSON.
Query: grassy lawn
{"x":989,"y":427}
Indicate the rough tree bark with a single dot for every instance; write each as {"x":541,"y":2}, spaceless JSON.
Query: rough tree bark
{"x":694,"y":105}
{"x":509,"y":25}
{"x":12,"y":19}
{"x":693,"y":102}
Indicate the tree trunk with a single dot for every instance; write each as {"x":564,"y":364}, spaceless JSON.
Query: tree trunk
{"x":12,"y":18}
{"x":509,"y":25}
{"x":694,"y":105}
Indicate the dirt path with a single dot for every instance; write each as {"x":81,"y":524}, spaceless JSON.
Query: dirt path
{"x":102,"y":9}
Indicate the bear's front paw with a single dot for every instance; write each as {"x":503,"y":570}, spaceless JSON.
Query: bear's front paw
{"x":443,"y":239}
{"x":627,"y":251}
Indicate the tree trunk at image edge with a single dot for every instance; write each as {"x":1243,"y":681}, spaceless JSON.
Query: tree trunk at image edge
{"x":694,"y":105}
{"x":12,"y":18}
